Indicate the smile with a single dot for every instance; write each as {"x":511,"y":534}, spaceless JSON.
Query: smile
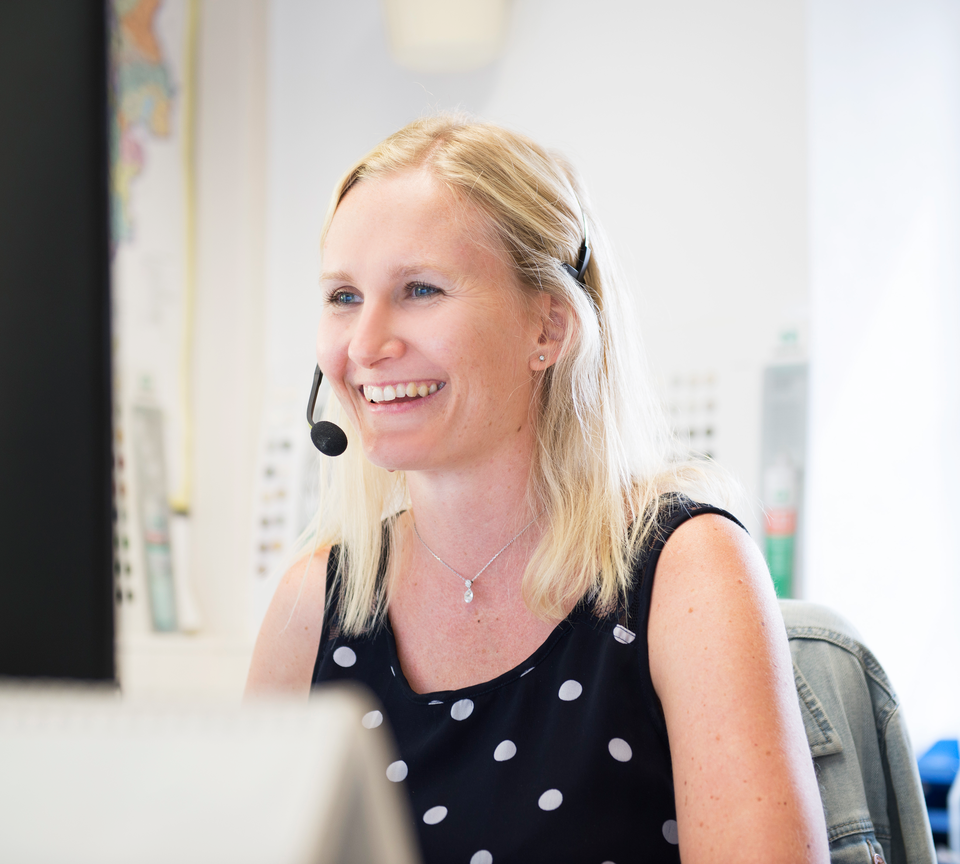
{"x":393,"y":392}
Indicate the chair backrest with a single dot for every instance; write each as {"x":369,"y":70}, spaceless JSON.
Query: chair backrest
{"x":86,"y":777}
{"x":869,"y":783}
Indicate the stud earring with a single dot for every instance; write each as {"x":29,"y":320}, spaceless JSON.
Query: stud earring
{"x":542,"y":358}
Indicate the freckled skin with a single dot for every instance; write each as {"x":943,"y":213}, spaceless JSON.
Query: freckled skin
{"x":750,"y":800}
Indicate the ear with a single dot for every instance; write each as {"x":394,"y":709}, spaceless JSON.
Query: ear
{"x":552,"y":319}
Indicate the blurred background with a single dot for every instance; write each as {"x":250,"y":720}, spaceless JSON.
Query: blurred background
{"x":780,"y":181}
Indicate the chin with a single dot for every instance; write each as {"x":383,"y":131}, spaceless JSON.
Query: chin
{"x":391,"y":457}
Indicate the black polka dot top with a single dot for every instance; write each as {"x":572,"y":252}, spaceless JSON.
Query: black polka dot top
{"x":563,"y":759}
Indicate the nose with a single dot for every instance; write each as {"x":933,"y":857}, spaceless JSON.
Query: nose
{"x":374,"y":337}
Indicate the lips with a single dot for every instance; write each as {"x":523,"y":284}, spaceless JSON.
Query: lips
{"x":393,"y":392}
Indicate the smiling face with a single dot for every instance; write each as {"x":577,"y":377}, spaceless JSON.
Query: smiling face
{"x":425,"y":335}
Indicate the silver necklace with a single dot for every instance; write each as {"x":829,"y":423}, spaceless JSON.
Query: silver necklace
{"x":468,"y":583}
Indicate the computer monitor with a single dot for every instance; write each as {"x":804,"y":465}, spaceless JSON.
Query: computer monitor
{"x":56,"y":582}
{"x":93,"y":779}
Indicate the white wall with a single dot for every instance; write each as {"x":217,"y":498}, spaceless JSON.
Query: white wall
{"x":691,"y":122}
{"x":228,"y":361}
{"x":687,"y":120}
{"x":885,"y":379}
{"x":231,"y":222}
{"x":736,"y":152}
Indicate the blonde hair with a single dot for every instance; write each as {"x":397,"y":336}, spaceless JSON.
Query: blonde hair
{"x":605,"y":456}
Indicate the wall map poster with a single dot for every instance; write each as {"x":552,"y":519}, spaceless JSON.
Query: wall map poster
{"x":152,"y":236}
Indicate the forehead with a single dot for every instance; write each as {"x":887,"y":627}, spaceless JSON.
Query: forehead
{"x":409,"y":218}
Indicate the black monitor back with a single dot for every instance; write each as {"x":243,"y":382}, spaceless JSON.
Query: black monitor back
{"x":56,"y":581}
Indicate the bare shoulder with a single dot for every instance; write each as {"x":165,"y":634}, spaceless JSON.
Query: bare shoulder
{"x":708,"y":565}
{"x":289,"y":638}
{"x":721,"y":667}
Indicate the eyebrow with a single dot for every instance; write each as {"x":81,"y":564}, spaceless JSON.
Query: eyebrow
{"x":397,"y":273}
{"x":334,"y":276}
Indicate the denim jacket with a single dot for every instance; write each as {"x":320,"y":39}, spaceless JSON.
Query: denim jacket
{"x":869,"y":782}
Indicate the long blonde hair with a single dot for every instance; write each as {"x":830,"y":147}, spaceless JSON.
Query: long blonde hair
{"x":605,"y":456}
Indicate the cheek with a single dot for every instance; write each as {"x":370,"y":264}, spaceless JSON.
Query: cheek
{"x":505,"y":349}
{"x":330,"y":353}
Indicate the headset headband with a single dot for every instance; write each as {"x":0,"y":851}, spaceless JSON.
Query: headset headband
{"x":583,"y":256}
{"x":583,"y":259}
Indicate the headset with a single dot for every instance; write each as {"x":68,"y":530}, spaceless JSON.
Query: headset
{"x":327,"y":437}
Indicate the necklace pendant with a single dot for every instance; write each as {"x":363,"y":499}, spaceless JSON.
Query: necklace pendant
{"x":468,"y":583}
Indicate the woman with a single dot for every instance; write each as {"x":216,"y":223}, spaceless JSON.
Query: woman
{"x":578,"y":662}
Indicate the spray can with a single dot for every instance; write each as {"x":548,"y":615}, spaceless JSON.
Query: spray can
{"x":780,"y":503}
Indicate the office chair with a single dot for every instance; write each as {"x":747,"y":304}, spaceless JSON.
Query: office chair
{"x":869,"y":782}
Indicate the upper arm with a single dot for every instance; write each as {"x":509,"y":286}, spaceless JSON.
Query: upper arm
{"x":744,"y":781}
{"x":289,"y":638}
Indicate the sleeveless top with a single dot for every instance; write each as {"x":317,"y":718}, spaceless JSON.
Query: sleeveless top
{"x":564,"y":758}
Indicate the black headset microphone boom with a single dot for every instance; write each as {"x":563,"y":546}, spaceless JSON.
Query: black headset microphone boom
{"x":327,"y":437}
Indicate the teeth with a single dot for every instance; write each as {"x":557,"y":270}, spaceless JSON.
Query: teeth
{"x":398,"y":391}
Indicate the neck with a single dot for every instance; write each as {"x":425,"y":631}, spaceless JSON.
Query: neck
{"x":466,"y":516}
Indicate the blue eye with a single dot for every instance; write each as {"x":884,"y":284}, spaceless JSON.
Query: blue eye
{"x":343,"y":298}
{"x":421,"y":289}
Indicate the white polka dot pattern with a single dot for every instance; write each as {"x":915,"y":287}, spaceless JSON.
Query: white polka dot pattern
{"x":397,"y":771}
{"x":344,"y":656}
{"x":372,"y":719}
{"x":670,"y":832}
{"x":435,"y":815}
{"x":594,"y":665}
{"x":551,"y":799}
{"x":461,"y":709}
{"x":570,"y":690}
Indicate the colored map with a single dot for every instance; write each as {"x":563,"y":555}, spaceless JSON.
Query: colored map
{"x":141,"y":93}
